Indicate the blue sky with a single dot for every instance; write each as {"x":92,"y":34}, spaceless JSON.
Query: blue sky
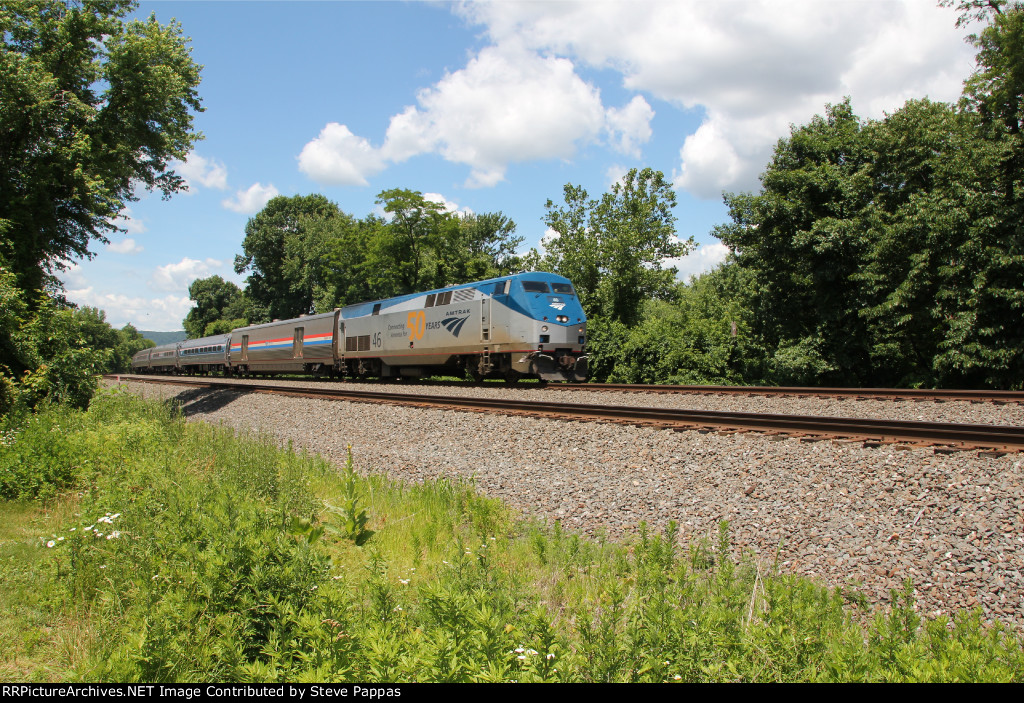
{"x":496,"y":106}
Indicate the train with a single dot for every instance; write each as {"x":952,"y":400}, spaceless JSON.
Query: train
{"x":526,"y":325}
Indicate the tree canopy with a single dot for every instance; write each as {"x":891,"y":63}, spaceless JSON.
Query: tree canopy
{"x":215,"y":299}
{"x":92,"y":107}
{"x":614,"y":249}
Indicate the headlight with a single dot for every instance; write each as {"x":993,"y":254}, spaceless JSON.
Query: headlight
{"x":544,"y":328}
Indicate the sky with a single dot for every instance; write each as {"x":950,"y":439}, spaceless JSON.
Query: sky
{"x":496,"y":106}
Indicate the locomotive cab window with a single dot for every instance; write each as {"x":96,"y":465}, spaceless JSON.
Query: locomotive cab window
{"x":536,"y":287}
{"x":563,"y":288}
{"x":376,"y":309}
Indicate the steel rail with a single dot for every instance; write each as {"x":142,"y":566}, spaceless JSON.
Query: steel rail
{"x":975,"y":436}
{"x":940,"y":394}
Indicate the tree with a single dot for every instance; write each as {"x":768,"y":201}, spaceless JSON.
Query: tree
{"x":984,"y":340}
{"x":803,"y":239}
{"x":413,"y":234}
{"x":614,"y":249}
{"x":215,"y":299}
{"x":91,"y":107}
{"x":44,"y":349}
{"x":285,"y":249}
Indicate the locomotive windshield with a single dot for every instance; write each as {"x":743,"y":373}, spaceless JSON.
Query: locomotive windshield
{"x":563,"y":288}
{"x":536,"y":287}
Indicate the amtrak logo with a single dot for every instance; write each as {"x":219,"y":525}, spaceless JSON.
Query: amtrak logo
{"x":454,"y":324}
{"x":558,"y":306}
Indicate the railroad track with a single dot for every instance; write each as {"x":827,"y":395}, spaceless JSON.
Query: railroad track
{"x":924,"y":394}
{"x":897,"y":394}
{"x":945,"y":436}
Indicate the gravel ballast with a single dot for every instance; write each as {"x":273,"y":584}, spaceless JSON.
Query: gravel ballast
{"x":847,"y":514}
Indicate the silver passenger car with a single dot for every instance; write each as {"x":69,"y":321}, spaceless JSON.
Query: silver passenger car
{"x":301,"y":345}
{"x":204,"y":355}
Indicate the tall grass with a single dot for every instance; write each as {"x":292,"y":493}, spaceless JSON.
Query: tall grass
{"x":160,"y":550}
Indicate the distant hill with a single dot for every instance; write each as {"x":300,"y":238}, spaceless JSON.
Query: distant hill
{"x":165,"y":337}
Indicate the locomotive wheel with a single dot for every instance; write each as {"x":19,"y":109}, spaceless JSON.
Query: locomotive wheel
{"x":512,"y":377}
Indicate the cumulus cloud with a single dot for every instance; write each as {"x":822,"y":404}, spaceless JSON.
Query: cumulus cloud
{"x":158,"y":314}
{"x":616,"y":173}
{"x":507,"y":105}
{"x":72,"y":276}
{"x":752,"y":66}
{"x":251,"y":201}
{"x":205,"y":172}
{"x":449,"y":205}
{"x":630,"y":126}
{"x":702,"y":259}
{"x":177,"y":277}
{"x":338,"y":157}
{"x":126,"y":222}
{"x":125,"y":246}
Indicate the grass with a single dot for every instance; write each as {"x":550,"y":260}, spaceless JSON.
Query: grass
{"x":193,"y":554}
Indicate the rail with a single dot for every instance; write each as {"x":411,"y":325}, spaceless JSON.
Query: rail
{"x":954,"y":435}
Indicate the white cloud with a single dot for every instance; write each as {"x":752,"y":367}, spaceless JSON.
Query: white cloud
{"x":338,"y":157}
{"x":545,"y":241}
{"x":72,"y":276}
{"x":615,"y":173}
{"x":702,"y":259}
{"x":631,"y":126}
{"x":710,"y":163}
{"x":126,"y":222}
{"x":177,"y":277}
{"x":125,"y":246}
{"x":449,"y":206}
{"x":251,"y":201}
{"x":753,"y":66}
{"x":159,"y":314}
{"x":507,"y":105}
{"x":206,"y":172}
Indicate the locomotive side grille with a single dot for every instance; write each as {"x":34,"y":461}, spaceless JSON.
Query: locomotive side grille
{"x":463,"y":294}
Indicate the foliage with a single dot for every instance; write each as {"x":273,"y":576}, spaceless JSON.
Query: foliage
{"x":45,"y":349}
{"x":285,"y":254}
{"x":353,"y":517}
{"x":193,"y":555}
{"x":224,"y":326}
{"x":613,"y":249}
{"x":885,"y":252}
{"x":216,"y":300}
{"x":305,"y":255}
{"x":92,"y":107}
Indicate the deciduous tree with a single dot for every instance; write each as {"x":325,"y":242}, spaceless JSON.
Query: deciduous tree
{"x":92,"y":107}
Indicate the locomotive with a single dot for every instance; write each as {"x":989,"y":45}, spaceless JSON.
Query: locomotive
{"x":527,"y":325}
